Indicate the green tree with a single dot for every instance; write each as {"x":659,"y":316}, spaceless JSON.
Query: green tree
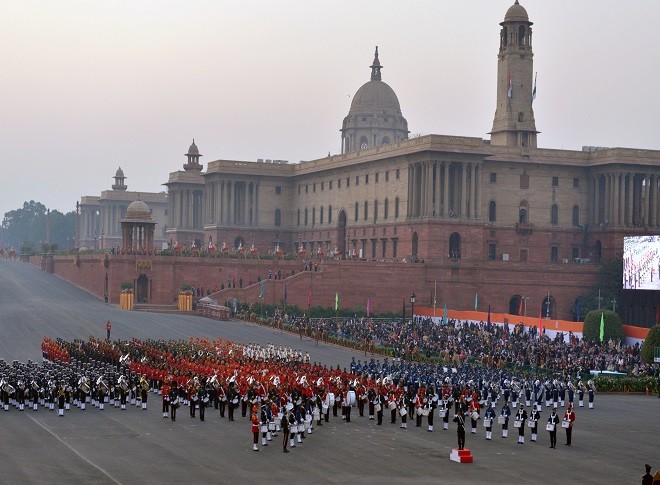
{"x":28,"y":224}
{"x":613,"y":326}
{"x":608,"y":283}
{"x":652,"y":341}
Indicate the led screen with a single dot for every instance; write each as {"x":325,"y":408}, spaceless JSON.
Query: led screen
{"x":641,"y":263}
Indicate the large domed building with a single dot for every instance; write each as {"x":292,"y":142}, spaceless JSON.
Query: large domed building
{"x":375,"y":117}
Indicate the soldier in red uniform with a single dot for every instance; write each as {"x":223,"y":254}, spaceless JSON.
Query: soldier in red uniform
{"x":255,"y":429}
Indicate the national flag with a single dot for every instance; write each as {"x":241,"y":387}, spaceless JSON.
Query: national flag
{"x":285,"y":294}
{"x":602,"y":326}
{"x":262,"y":290}
{"x":368,"y":306}
{"x":534,"y":90}
{"x":309,"y":296}
{"x":509,"y":88}
{"x":476,"y":301}
{"x":336,"y":301}
{"x":444,"y":316}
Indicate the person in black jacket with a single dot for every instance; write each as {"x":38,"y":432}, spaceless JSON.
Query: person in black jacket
{"x":285,"y":432}
{"x":460,"y":430}
{"x":521,"y":417}
{"x":554,"y":421}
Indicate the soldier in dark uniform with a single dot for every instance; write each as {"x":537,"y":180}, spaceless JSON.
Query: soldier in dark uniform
{"x":506,"y":412}
{"x":174,"y":400}
{"x":202,"y":399}
{"x":460,"y":430}
{"x":554,"y":421}
{"x":285,"y":432}
{"x":371,"y":397}
{"x":535,"y":416}
{"x":521,"y":417}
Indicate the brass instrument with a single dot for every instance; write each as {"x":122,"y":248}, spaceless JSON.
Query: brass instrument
{"x":144,"y":383}
{"x":591,"y":385}
{"x":123,"y":385}
{"x":82,"y":385}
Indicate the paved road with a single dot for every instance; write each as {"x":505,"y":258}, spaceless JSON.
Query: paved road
{"x":610,"y":443}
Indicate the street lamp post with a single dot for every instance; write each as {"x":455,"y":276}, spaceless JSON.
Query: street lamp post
{"x":412,"y":305}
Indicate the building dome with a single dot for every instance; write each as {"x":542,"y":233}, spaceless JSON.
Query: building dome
{"x":193,"y":150}
{"x":138,"y":211}
{"x":119,"y":173}
{"x":516,"y":13}
{"x":375,"y":97}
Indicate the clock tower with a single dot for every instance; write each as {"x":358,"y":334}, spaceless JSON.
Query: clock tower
{"x":514,"y":123}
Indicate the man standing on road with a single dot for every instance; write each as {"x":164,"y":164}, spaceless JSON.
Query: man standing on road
{"x":108,"y":327}
{"x":569,"y":416}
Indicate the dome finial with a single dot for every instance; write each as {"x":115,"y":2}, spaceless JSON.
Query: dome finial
{"x":376,"y":67}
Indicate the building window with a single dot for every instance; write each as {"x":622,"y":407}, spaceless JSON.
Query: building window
{"x":575,"y":252}
{"x":329,"y":214}
{"x":278,"y":218}
{"x":386,"y":208}
{"x":554,"y":215}
{"x":396,"y":208}
{"x":299,"y":190}
{"x":357,"y":208}
{"x":387,"y":175}
{"x":299,"y":216}
{"x":555,"y":181}
{"x":357,"y":180}
{"x":376,"y":177}
{"x":524,"y":180}
{"x":455,"y":246}
{"x":375,"y":210}
{"x":321,"y":216}
{"x":492,"y":251}
{"x":492,"y":211}
{"x":523,"y":213}
{"x":366,"y":210}
{"x":394,"y":245}
{"x":339,"y":183}
{"x":305,"y":215}
{"x":576,"y":183}
{"x":278,"y":190}
{"x":554,"y":254}
{"x":348,"y":181}
{"x":313,"y":216}
{"x":306,"y":189}
{"x":398,"y":173}
{"x":366,"y":179}
{"x":576,"y":215}
{"x":322,"y":185}
{"x":493,"y":178}
{"x":523,"y":255}
{"x":384,"y":253}
{"x":330,"y":185}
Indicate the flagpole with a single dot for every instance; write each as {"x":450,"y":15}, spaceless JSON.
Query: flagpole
{"x":435,"y":291}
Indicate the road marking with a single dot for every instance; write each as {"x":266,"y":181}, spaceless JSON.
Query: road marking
{"x":113,"y":479}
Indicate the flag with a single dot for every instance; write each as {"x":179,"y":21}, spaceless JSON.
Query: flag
{"x":336,"y":301}
{"x":602,"y":326}
{"x":444,"y":316}
{"x":534,"y":90}
{"x":368,"y":306}
{"x":509,"y":88}
{"x":488,"y":322}
{"x":541,"y":322}
{"x":476,"y":301}
{"x":285,"y":295}
{"x":262,"y":290}
{"x":309,"y":296}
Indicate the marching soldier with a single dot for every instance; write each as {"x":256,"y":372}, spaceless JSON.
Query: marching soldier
{"x":535,"y":416}
{"x":553,"y":421}
{"x":165,"y":393}
{"x":521,"y":417}
{"x":202,"y":399}
{"x":569,"y":416}
{"x":506,"y":412}
{"x":460,"y":430}
{"x":489,"y":417}
{"x":285,"y":432}
{"x":255,"y":429}
{"x":174,"y":400}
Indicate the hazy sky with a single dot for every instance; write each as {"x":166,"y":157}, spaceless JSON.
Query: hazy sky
{"x":87,"y":86}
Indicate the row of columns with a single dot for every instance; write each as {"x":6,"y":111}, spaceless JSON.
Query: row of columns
{"x":186,"y":208}
{"x":625,"y":199}
{"x":137,"y":235}
{"x":444,"y":189}
{"x":233,"y":203}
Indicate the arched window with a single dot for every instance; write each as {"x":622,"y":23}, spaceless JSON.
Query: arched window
{"x":576,"y":215}
{"x":521,"y":117}
{"x":357,"y":209}
{"x":523,"y":213}
{"x":548,"y":307}
{"x":554,"y":214}
{"x":278,"y":218}
{"x":364,"y":143}
{"x":597,"y":252}
{"x":366,"y":210}
{"x":313,"y":215}
{"x":386,"y":141}
{"x":516,"y":305}
{"x":386,"y":208}
{"x":504,"y":39}
{"x":492,"y":211}
{"x":521,"y":35}
{"x":455,"y":246}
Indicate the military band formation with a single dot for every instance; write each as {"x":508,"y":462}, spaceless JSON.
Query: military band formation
{"x":279,"y":390}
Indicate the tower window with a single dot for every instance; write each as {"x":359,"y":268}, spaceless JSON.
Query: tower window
{"x":330,"y":185}
{"x":492,"y":211}
{"x":306,"y":189}
{"x":521,"y":117}
{"x":524,"y":180}
{"x":376,"y":177}
{"x":314,"y":187}
{"x":576,"y":215}
{"x":329,"y":214}
{"x":357,"y":208}
{"x":398,"y":172}
{"x":339,"y":183}
{"x":366,"y":179}
{"x":348,"y":181}
{"x":357,"y":180}
{"x":493,"y":178}
{"x":554,"y":254}
{"x":521,"y":35}
{"x":576,"y":183}
{"x":278,"y":190}
{"x":554,"y":215}
{"x":322,"y":185}
{"x":555,"y":181}
{"x":387,"y":175}
{"x":396,"y":208}
{"x":366,"y":210}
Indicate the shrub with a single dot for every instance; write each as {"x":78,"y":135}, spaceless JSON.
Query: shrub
{"x":652,"y":341}
{"x":613,"y":326}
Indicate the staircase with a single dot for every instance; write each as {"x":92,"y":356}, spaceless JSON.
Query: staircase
{"x":461,"y":456}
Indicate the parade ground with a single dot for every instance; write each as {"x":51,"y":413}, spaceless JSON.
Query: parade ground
{"x":611,"y":443}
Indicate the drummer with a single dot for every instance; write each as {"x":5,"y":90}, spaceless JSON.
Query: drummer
{"x":474,"y":410}
{"x":521,"y":417}
{"x":489,"y":417}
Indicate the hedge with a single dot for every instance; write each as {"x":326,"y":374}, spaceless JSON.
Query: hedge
{"x":626,"y":384}
{"x":652,"y":341}
{"x":613,"y":326}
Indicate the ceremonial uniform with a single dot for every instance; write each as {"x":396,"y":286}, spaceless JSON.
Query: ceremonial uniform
{"x":521,"y":417}
{"x":285,"y":433}
{"x":535,"y":416}
{"x":554,"y":421}
{"x":569,"y":415}
{"x":506,"y":412}
{"x":174,"y":400}
{"x":460,"y":430}
{"x":255,"y":431}
{"x":489,"y":415}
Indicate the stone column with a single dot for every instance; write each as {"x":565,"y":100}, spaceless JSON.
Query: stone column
{"x":445,"y":191}
{"x":436,"y":203}
{"x":615,"y":200}
{"x":477,"y":191}
{"x":464,"y":195}
{"x":472,"y":191}
{"x":256,"y":205}
{"x":597,"y":199}
{"x":230,"y":216}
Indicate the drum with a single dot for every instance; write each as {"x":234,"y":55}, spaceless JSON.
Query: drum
{"x":474,"y":415}
{"x":425,"y":411}
{"x":419,"y":411}
{"x":501,"y":420}
{"x":271,"y":426}
{"x":325,"y":407}
{"x":205,"y":399}
{"x":403,"y":411}
{"x":331,"y":398}
{"x":442,"y":413}
{"x":517,"y":423}
{"x":308,"y":418}
{"x":294,"y":428}
{"x":234,"y":401}
{"x":289,"y":406}
{"x":264,"y":428}
{"x":392,"y":406}
{"x":488,"y":422}
{"x":549,"y":427}
{"x":531,"y":423}
{"x":565,"y":423}
{"x":377,"y":408}
{"x":350,"y":399}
